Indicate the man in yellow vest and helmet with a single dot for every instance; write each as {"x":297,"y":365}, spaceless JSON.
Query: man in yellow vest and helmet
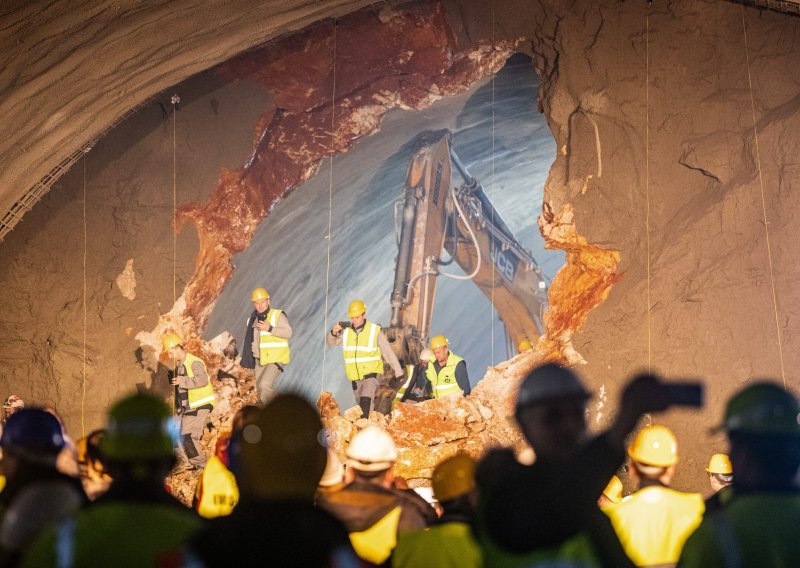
{"x":447,"y":372}
{"x":195,"y":399}
{"x":266,"y":345}
{"x":364,"y":348}
{"x":654,"y":523}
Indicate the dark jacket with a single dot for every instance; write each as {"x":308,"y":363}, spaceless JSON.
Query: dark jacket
{"x":360,"y":505}
{"x":280,"y":533}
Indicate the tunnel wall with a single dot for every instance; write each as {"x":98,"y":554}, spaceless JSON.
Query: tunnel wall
{"x":656,"y":193}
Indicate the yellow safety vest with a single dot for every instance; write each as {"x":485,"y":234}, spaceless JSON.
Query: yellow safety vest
{"x":217,"y":492}
{"x":402,"y":390}
{"x":362,"y":356}
{"x":654,"y":523}
{"x":201,"y":395}
{"x":273,"y":349}
{"x":376,"y":543}
{"x":448,"y":545}
{"x":444,"y":383}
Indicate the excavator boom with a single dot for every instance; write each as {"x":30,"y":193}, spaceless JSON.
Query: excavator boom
{"x":462,"y":222}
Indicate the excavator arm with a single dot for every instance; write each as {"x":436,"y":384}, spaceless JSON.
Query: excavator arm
{"x":434,"y":218}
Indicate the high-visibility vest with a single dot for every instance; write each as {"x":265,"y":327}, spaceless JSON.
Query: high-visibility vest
{"x":362,"y":356}
{"x":402,"y":390}
{"x":273,"y":349}
{"x":577,"y":552}
{"x":201,"y":395}
{"x":375,"y":544}
{"x":448,"y":545}
{"x":217,"y":492}
{"x":654,"y":523}
{"x":444,"y":382}
{"x":116,"y":533}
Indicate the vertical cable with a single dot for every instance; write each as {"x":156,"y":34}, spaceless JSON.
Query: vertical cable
{"x":175,"y":100}
{"x":763,"y":202}
{"x":332,"y":151}
{"x":647,"y":182}
{"x":492,"y":259}
{"x":85,"y":245}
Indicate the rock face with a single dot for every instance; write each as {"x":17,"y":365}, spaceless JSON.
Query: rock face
{"x":672,"y":192}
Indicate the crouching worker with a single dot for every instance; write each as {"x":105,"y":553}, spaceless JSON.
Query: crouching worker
{"x":136,"y":523}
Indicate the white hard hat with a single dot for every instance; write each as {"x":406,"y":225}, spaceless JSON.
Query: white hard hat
{"x":426,"y":355}
{"x":372,"y":449}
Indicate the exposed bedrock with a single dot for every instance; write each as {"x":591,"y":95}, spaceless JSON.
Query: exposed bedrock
{"x":675,"y":125}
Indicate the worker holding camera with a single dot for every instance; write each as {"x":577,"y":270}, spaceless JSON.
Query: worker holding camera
{"x":364,"y":348}
{"x":266,"y":345}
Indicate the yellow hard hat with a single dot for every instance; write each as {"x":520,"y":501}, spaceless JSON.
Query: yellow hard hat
{"x":524,"y":345}
{"x":170,"y":340}
{"x":260,"y":294}
{"x":655,"y":445}
{"x":454,"y":477}
{"x":140,"y":428}
{"x":356,"y":308}
{"x":614,"y":490}
{"x":438,"y":341}
{"x":720,"y":463}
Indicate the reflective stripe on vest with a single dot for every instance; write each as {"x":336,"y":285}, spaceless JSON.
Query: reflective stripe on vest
{"x":273,"y":349}
{"x":217,"y":492}
{"x":444,"y":383}
{"x":362,"y":356}
{"x":201,"y":395}
{"x":376,"y":543}
{"x":402,"y":390}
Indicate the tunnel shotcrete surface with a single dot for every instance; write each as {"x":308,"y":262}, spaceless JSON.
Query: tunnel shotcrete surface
{"x":671,"y":194}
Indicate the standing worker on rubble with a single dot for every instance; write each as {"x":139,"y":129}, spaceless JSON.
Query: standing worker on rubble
{"x":194,"y":400}
{"x":447,"y":372}
{"x":266,"y":345}
{"x":653,"y":523}
{"x":364,"y":348}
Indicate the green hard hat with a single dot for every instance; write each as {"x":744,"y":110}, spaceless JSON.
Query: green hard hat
{"x":140,"y":428}
{"x":763,"y":408}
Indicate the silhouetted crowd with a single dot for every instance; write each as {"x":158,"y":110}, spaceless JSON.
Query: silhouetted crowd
{"x":275,"y":494}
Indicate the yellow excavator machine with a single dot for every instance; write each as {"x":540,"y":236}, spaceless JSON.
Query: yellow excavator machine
{"x":435,"y":218}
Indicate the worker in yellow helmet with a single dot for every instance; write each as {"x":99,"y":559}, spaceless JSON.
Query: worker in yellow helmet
{"x":525,"y":346}
{"x":449,"y":541}
{"x":720,"y":472}
{"x":447,"y":372}
{"x":194,"y":400}
{"x":364,"y":348}
{"x":266,"y":345}
{"x":653,"y":523}
{"x":756,"y":525}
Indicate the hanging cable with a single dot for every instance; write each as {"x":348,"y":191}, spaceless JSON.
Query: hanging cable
{"x":331,"y":151}
{"x":647,"y":182}
{"x":494,"y":261}
{"x":85,"y":244}
{"x":175,"y":100}
{"x":763,"y":201}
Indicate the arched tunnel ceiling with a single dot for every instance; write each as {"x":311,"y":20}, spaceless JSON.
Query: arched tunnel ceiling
{"x":72,"y":68}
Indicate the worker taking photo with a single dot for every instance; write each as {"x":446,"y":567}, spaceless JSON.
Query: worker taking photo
{"x":364,"y":348}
